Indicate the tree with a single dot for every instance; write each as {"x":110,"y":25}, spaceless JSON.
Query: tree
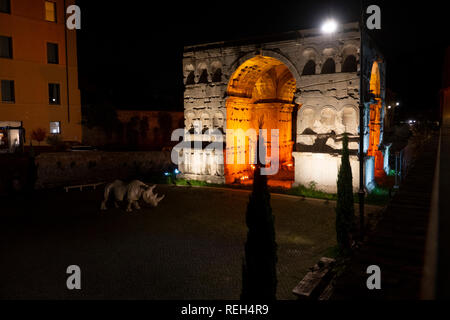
{"x":259,"y":277}
{"x":345,"y":211}
{"x":38,"y":134}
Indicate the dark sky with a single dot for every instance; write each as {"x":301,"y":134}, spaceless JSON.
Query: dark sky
{"x":131,"y":54}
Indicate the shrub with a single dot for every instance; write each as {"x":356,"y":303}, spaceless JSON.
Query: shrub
{"x":259,"y":276}
{"x":345,"y":212}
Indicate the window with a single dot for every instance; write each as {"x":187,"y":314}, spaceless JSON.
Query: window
{"x":52,"y":53}
{"x":217,"y":75}
{"x":55,"y":127}
{"x":50,"y":11}
{"x":328,"y":66}
{"x":5,"y":6}
{"x":309,"y":68}
{"x":350,"y":64}
{"x":203,"y":77}
{"x":8,"y":91}
{"x":5,"y":47}
{"x":53,"y":93}
{"x":190,"y":78}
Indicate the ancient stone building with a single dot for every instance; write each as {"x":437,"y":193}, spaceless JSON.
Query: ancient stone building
{"x":303,"y":83}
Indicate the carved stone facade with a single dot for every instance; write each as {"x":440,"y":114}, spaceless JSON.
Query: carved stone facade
{"x":303,"y":83}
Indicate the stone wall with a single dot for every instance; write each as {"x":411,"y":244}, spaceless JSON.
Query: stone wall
{"x":324,"y":179}
{"x":141,"y":129}
{"x":316,"y":75}
{"x":69,"y":168}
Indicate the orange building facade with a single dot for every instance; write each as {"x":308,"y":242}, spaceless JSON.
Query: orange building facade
{"x":38,"y":69}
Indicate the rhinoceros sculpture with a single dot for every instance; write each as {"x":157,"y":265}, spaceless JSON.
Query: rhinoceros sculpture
{"x":133,"y":192}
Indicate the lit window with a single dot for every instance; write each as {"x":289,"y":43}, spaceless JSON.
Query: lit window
{"x":5,"y":6}
{"x":50,"y":11}
{"x":53,"y":93}
{"x":7,"y":88}
{"x":55,"y":127}
{"x":52,"y":53}
{"x":5,"y":47}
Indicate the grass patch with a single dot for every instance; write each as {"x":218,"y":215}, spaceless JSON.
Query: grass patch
{"x":378,"y":196}
{"x":195,"y":183}
{"x":311,"y":192}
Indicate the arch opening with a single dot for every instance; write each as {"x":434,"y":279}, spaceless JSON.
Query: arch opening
{"x":350,"y":64}
{"x":375,"y":121}
{"x":309,"y":68}
{"x":260,"y":95}
{"x":329,"y":66}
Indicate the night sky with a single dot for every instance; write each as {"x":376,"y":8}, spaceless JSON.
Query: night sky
{"x":131,"y":54}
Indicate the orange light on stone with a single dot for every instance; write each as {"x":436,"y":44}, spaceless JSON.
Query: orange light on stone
{"x":375,"y":122}
{"x":260,"y":95}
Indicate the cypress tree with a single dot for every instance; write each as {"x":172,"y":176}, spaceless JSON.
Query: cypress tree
{"x":345,"y":212}
{"x":259,"y":278}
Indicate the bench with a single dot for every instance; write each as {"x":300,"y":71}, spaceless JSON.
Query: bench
{"x":316,"y":283}
{"x":81,"y":186}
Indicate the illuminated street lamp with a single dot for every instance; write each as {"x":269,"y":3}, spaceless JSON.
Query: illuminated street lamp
{"x":397,"y":104}
{"x":329,"y":26}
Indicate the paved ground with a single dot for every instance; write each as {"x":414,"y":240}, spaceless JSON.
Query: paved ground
{"x":190,"y":247}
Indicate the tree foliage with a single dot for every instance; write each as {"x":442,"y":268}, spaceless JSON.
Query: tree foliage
{"x":38,"y":134}
{"x":345,"y":212}
{"x":259,"y":278}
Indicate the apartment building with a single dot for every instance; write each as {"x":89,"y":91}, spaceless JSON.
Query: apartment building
{"x":38,"y":72}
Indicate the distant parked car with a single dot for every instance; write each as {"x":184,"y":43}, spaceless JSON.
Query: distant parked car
{"x":83,"y":148}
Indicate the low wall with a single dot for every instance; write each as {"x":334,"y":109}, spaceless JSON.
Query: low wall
{"x":306,"y":170}
{"x":68,"y":168}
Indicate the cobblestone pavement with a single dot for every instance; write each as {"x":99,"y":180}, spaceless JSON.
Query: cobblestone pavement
{"x":189,"y":247}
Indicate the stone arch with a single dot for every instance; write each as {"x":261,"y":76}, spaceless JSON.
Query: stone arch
{"x":329,"y":52}
{"x":350,"y":119}
{"x":216,"y":71}
{"x":267,"y":53}
{"x":306,"y":118}
{"x":189,"y":74}
{"x":309,"y":68}
{"x":219,"y":120}
{"x":205,"y":119}
{"x":202,"y":73}
{"x":310,"y":53}
{"x":350,"y":58}
{"x":189,"y":118}
{"x":375,"y":120}
{"x":350,"y":64}
{"x":328,"y":116}
{"x":375,"y":85}
{"x":329,"y":66}
{"x":260,"y":94}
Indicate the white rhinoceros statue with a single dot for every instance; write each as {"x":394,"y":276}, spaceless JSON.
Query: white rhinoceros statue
{"x":133,"y":192}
